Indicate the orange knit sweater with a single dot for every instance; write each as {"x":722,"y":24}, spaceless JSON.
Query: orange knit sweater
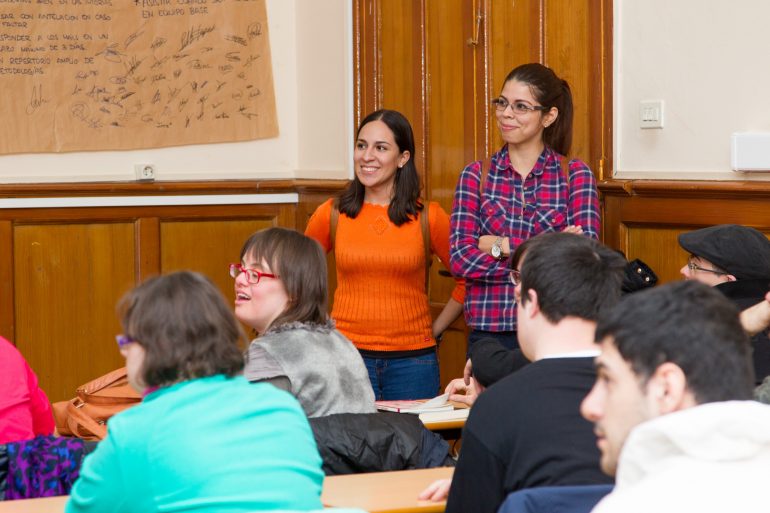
{"x":380,"y":303}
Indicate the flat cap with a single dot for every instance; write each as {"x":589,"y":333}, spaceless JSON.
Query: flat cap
{"x":741,"y":251}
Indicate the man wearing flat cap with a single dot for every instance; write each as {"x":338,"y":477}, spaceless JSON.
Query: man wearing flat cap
{"x":736,"y":261}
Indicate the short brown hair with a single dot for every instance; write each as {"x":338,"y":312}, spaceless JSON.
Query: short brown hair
{"x":185,"y":327}
{"x":300,"y":263}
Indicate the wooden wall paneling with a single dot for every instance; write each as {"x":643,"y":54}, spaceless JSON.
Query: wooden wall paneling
{"x":400,"y":65}
{"x":147,"y":233}
{"x":600,"y":75}
{"x":7,"y":329}
{"x":208,"y":245}
{"x":568,"y":53}
{"x":658,"y":247}
{"x":514,"y":37}
{"x":452,"y":110}
{"x":366,"y":83}
{"x":68,"y":278}
{"x":451,"y":102}
{"x":644,"y":218}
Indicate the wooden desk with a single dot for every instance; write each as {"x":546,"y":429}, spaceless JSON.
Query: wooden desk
{"x":379,"y":492}
{"x":46,"y":505}
{"x":384,"y":492}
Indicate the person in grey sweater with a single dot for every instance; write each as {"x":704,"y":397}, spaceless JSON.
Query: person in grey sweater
{"x":281,"y":292}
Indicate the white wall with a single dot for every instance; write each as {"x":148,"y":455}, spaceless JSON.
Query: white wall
{"x":708,"y":60}
{"x":310,"y":43}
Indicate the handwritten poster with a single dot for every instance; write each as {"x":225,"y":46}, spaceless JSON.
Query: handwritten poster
{"x":125,"y":74}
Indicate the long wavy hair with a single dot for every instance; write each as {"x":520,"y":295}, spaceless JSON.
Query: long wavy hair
{"x":405,"y":203}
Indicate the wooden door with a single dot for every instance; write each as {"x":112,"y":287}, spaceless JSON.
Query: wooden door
{"x":440,"y":62}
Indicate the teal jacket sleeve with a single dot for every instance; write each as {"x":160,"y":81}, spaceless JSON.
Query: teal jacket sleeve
{"x":101,"y":486}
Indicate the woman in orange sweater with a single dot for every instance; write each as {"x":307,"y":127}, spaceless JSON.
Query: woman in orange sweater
{"x":381,"y":303}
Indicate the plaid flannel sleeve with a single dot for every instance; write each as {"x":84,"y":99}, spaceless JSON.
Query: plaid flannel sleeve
{"x":465,"y":258}
{"x":584,"y":199}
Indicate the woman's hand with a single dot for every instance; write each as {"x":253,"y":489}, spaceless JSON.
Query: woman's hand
{"x":463,"y":393}
{"x":573,"y":228}
{"x":436,"y":491}
{"x":486,"y":242}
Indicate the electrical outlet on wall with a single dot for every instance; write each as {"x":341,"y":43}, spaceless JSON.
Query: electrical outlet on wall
{"x":651,"y":114}
{"x":144,"y":172}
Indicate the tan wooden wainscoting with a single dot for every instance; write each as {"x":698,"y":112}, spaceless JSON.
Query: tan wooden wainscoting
{"x":643,"y":218}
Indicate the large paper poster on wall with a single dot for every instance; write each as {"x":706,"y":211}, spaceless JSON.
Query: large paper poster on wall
{"x":125,"y":74}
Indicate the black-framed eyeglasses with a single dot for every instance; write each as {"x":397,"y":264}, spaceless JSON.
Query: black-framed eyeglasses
{"x":252,"y":275}
{"x":123,"y":340}
{"x":518,"y":107}
{"x":515,"y":276}
{"x":695,"y":267}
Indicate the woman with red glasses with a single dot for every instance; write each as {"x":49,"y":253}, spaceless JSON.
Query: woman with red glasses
{"x":203,"y":438}
{"x":281,"y":292}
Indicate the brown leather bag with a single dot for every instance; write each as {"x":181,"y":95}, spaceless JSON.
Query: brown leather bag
{"x":86,"y":415}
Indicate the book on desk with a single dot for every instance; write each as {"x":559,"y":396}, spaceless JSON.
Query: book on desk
{"x":417,"y":406}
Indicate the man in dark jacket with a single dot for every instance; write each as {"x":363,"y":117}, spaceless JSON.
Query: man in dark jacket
{"x":735,"y":260}
{"x":526,"y":429}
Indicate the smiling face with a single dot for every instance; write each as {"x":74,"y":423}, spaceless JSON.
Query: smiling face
{"x":258,"y":304}
{"x":377,"y":158}
{"x":616,"y":404}
{"x":522,"y":129}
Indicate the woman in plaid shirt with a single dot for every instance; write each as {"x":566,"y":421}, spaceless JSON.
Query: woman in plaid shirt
{"x":527,"y":190}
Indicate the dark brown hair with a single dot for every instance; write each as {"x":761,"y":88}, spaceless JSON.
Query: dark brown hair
{"x":300,"y":263}
{"x":550,"y":91}
{"x":185,"y":327}
{"x":405,"y":203}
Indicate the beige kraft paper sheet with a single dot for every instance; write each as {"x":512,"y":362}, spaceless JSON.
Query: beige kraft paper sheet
{"x":125,"y":74}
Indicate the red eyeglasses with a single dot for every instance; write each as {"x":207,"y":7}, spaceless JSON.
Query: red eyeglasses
{"x":252,"y":275}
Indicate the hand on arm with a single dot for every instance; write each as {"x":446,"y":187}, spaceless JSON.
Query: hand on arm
{"x":577,"y":230}
{"x":757,"y":317}
{"x":437,"y":491}
{"x":486,"y":242}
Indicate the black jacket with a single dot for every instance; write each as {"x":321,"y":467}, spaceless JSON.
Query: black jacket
{"x":373,"y":442}
{"x":746,"y":293}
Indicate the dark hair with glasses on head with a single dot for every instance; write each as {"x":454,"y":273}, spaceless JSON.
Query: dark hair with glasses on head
{"x":185,"y":327}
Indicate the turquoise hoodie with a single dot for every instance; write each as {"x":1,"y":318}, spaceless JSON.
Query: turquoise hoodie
{"x":211,"y":444}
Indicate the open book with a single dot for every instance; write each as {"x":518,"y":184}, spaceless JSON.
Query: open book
{"x":416,"y":406}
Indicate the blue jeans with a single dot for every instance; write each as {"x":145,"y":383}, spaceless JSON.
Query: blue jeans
{"x":506,"y":338}
{"x":404,"y":378}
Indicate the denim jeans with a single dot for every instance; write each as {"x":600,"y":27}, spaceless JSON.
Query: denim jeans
{"x":404,"y":378}
{"x":506,"y":338}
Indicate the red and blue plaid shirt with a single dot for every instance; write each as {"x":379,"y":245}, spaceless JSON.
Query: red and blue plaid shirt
{"x":518,"y":209}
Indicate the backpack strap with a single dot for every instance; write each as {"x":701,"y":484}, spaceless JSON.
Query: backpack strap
{"x":333,"y":219}
{"x":564,"y":167}
{"x":425,"y":229}
{"x":486,"y":165}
